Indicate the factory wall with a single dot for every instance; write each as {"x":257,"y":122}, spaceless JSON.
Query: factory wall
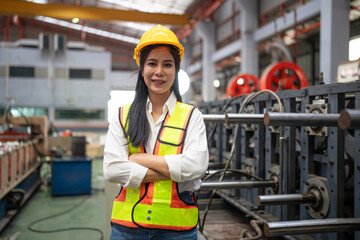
{"x":58,"y":79}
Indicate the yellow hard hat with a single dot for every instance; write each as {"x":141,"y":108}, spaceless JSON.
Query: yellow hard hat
{"x":158,"y":35}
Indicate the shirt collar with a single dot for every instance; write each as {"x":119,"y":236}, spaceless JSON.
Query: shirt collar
{"x":168,"y":106}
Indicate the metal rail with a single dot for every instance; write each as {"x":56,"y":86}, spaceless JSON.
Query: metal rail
{"x":284,"y":199}
{"x":214,"y":117}
{"x":272,"y":229}
{"x":238,"y":184}
{"x":300,"y":119}
{"x":244,"y":118}
{"x":349,"y":119}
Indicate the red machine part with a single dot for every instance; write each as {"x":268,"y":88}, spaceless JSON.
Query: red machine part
{"x":241,"y":84}
{"x":289,"y":74}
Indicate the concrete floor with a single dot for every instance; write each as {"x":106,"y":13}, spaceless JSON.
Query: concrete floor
{"x":80,"y":211}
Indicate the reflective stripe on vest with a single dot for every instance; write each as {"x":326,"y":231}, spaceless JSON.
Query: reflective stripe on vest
{"x":157,"y":204}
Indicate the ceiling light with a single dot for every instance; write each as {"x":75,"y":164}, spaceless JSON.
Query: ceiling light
{"x":240,"y":81}
{"x":216,"y":83}
{"x":75,"y":20}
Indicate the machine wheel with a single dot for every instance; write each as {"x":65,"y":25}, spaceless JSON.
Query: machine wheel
{"x":241,"y":84}
{"x":288,"y":74}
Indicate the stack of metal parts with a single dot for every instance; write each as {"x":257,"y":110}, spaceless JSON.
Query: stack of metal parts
{"x":19,"y":172}
{"x":297,"y":153}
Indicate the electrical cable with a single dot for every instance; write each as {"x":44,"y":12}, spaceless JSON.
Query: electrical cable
{"x":30,"y":226}
{"x":241,"y":172}
{"x":247,"y":100}
{"x":245,"y":235}
{"x":213,"y":129}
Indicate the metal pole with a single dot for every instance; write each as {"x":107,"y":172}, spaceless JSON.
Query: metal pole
{"x":285,"y":199}
{"x":349,"y":119}
{"x":214,"y":118}
{"x":238,"y":184}
{"x":272,"y":229}
{"x":244,"y":118}
{"x":300,"y":119}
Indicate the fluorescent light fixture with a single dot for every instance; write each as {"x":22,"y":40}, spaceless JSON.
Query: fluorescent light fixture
{"x":38,"y":1}
{"x":354,"y":49}
{"x":160,"y":8}
{"x":91,"y":30}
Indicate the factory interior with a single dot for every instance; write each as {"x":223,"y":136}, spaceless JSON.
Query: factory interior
{"x":277,"y":83}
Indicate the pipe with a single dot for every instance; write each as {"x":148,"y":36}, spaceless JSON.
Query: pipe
{"x":272,"y":229}
{"x":244,"y":118}
{"x":349,"y":119}
{"x":285,"y":199}
{"x":214,"y":117}
{"x":300,"y":119}
{"x":238,"y":184}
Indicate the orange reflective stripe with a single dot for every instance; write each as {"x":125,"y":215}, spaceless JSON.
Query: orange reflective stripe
{"x":124,"y":223}
{"x":122,"y":116}
{"x":176,"y":202}
{"x":184,"y":126}
{"x":157,"y":143}
{"x":167,"y":227}
{"x":148,"y":199}
{"x":122,"y":195}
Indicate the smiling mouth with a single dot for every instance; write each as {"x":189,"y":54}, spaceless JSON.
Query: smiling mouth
{"x":158,"y":81}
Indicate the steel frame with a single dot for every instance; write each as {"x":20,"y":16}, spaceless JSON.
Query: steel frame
{"x":297,"y":154}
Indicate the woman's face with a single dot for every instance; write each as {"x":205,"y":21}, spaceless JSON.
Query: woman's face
{"x":159,"y":72}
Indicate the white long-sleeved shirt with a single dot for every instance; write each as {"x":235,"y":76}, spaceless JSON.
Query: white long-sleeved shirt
{"x":186,"y":168}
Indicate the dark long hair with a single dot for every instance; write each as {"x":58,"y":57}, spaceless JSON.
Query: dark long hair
{"x":138,"y":126}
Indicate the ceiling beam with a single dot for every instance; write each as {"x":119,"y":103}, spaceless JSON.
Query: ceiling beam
{"x":60,"y":11}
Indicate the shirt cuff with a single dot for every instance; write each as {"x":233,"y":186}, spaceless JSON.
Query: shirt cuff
{"x":174,"y":165}
{"x":137,"y":175}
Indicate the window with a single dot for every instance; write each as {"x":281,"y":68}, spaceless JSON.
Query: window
{"x":80,"y":73}
{"x":28,"y":111}
{"x":80,"y":114}
{"x":28,"y":72}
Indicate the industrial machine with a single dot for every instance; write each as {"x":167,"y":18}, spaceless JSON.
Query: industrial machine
{"x":277,"y":76}
{"x":22,"y":143}
{"x":289,"y":160}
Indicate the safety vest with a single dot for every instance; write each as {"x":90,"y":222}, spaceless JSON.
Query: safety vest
{"x":158,"y":204}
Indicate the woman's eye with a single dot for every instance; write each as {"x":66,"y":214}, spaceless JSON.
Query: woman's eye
{"x":151,"y":64}
{"x":168,"y":65}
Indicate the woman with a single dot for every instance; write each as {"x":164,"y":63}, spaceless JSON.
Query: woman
{"x":156,"y":149}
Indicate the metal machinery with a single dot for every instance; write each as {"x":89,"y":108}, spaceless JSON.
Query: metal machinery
{"x":278,"y":75}
{"x":20,"y":163}
{"x":289,"y":160}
